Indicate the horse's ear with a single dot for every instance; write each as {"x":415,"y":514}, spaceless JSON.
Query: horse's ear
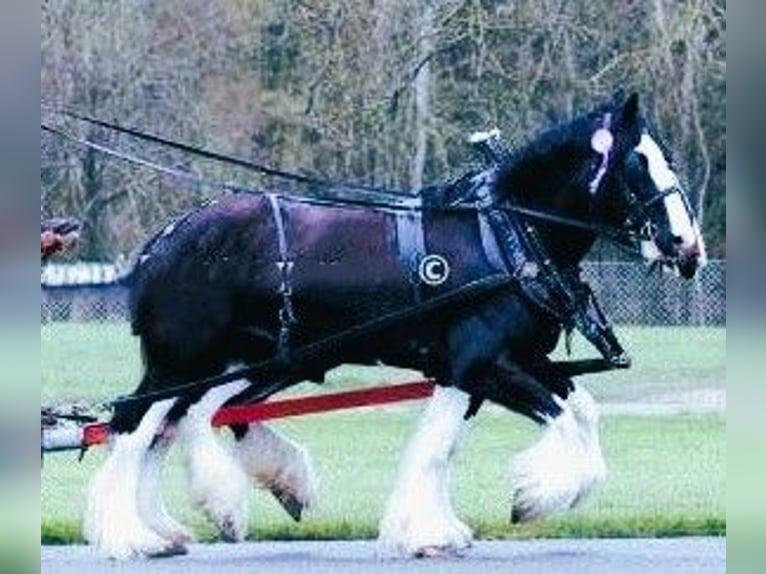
{"x":631,"y":109}
{"x":629,"y":118}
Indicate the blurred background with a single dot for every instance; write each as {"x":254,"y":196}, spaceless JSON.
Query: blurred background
{"x":381,"y":92}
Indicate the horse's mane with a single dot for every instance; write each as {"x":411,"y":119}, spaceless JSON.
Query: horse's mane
{"x":545,"y":147}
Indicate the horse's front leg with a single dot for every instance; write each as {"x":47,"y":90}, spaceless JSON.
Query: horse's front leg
{"x":419,"y":519}
{"x":565,"y":464}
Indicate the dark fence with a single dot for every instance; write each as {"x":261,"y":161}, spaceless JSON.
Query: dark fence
{"x":632,"y":296}
{"x":628,"y":293}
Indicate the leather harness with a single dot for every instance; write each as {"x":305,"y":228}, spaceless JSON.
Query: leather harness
{"x":512,"y":247}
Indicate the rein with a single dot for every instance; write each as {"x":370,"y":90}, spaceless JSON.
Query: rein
{"x":397,"y":202}
{"x":222,"y":157}
{"x":386,"y":199}
{"x":281,"y":365}
{"x":622,"y":236}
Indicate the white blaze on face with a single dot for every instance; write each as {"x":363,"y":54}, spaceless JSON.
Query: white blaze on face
{"x":681,"y":223}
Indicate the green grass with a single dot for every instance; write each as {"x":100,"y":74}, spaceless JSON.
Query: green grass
{"x":665,"y":359}
{"x":102,"y":361}
{"x":666,"y":474}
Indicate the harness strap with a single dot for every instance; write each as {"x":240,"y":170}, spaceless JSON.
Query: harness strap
{"x":562,"y":294}
{"x":410,"y":241}
{"x":284,"y":267}
{"x":503,"y":239}
{"x":489,"y":244}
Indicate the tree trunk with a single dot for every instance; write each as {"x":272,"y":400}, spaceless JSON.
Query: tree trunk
{"x":422,"y":96}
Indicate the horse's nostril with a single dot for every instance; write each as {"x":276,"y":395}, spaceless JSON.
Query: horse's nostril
{"x":678,"y":240}
{"x":691,"y":252}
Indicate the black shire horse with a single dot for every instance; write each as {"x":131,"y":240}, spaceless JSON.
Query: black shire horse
{"x":253,"y":277}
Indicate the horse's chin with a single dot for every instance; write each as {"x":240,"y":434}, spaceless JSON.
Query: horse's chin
{"x":679,"y":264}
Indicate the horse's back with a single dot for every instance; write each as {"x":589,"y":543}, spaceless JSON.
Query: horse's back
{"x":221,"y":284}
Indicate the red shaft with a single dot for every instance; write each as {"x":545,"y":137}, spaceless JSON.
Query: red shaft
{"x":98,"y":433}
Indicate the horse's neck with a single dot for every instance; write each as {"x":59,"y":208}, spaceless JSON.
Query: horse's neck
{"x":565,"y":246}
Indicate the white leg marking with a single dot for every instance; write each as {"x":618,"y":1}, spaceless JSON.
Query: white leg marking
{"x":150,"y":504}
{"x":217,"y":483}
{"x":279,"y":464}
{"x":564,"y":466}
{"x":419,"y":519}
{"x":112,"y":521}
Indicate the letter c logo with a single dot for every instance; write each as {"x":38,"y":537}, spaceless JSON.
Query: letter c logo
{"x":433,"y":270}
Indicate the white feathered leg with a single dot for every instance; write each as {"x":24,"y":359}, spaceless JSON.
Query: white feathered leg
{"x":564,"y":466}
{"x":112,"y":520}
{"x":217,"y":483}
{"x":593,"y":469}
{"x":419,"y":519}
{"x":279,"y":464}
{"x":150,"y":504}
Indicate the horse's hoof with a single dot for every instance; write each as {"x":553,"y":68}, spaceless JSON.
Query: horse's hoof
{"x":229,"y":532}
{"x":290,"y":503}
{"x":523,"y":510}
{"x":438,"y":552}
{"x":173,"y":549}
{"x":518,"y":515}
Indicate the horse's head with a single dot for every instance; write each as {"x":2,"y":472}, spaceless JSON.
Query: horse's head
{"x":640,"y":179}
{"x":606,"y":168}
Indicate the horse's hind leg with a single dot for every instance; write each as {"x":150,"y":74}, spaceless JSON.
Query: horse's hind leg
{"x":217,"y":483}
{"x":419,"y":519}
{"x":279,"y":464}
{"x":564,"y":465}
{"x":112,"y":517}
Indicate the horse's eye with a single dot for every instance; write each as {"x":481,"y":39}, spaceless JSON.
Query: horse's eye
{"x":671,"y":162}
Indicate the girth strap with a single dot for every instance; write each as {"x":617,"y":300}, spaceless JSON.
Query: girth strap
{"x":284,"y":267}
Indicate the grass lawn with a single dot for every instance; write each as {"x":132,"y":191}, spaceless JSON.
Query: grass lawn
{"x":666,"y":474}
{"x":102,"y":361}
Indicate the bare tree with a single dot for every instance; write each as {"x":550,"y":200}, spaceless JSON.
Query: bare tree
{"x":375,"y":91}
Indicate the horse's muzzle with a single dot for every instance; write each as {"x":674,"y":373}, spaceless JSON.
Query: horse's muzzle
{"x":689,"y":260}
